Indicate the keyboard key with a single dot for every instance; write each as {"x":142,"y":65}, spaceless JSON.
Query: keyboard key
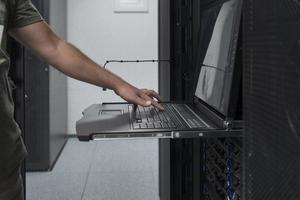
{"x":157,"y":125}
{"x":168,"y":119}
{"x":137,"y":114}
{"x":172,"y":125}
{"x":156,"y":118}
{"x":150,"y":125}
{"x":136,"y":126}
{"x":161,"y":116}
{"x":143,"y":125}
{"x":150,"y":119}
{"x":165,"y":125}
{"x":143,"y":116}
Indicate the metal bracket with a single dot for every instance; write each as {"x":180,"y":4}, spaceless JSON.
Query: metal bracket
{"x":170,"y":135}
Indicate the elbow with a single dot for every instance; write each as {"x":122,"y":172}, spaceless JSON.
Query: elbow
{"x":53,"y":53}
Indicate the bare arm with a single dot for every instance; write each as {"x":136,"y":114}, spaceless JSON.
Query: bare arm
{"x":72,"y":62}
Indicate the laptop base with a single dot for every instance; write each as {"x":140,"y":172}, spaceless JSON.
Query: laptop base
{"x":111,"y":121}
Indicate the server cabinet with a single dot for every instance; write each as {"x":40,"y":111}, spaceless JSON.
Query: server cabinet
{"x":269,"y":169}
{"x":16,"y":52}
{"x":164,"y":90}
{"x":185,"y":18}
{"x":43,"y":91}
{"x":196,"y":168}
{"x":272,"y":99}
{"x":184,"y":154}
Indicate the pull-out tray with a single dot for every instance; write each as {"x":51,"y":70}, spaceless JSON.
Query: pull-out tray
{"x":112,"y":121}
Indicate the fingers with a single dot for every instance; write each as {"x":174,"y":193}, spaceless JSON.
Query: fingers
{"x":141,"y":101}
{"x":142,"y":97}
{"x":157,"y":105}
{"x":152,"y":94}
{"x":154,"y":103}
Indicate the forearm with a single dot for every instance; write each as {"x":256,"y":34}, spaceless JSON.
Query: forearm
{"x":72,"y":62}
{"x":65,"y":57}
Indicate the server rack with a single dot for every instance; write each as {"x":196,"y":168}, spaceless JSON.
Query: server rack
{"x":265,"y":163}
{"x":193,"y":169}
{"x":16,"y":52}
{"x":272,"y":99}
{"x":223,"y":166}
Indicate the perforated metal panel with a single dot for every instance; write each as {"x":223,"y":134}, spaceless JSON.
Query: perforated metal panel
{"x":272,"y":99}
{"x":222,"y":169}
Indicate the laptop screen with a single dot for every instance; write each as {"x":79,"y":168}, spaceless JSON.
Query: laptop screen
{"x":215,"y":78}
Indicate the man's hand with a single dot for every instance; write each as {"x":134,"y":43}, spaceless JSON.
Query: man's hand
{"x":143,"y":97}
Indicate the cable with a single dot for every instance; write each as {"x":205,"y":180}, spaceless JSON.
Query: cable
{"x":133,"y":61}
{"x":229,"y":173}
{"x":156,"y":61}
{"x":217,"y":68}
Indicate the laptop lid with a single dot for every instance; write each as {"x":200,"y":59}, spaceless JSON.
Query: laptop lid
{"x":215,"y":81}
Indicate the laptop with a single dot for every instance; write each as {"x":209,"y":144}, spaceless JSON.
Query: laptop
{"x":211,"y":112}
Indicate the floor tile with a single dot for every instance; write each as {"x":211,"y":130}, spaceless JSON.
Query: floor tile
{"x":55,"y":186}
{"x":126,"y":155}
{"x":110,"y":170}
{"x":76,"y":156}
{"x":120,"y":186}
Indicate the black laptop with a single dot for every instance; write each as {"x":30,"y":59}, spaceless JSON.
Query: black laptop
{"x":212,"y":109}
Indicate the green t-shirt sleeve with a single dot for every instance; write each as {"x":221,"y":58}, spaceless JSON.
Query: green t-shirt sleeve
{"x":23,"y":13}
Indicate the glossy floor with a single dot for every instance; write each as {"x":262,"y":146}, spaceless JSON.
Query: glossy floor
{"x":106,"y":170}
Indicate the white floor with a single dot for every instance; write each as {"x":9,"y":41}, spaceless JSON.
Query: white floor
{"x":106,"y":170}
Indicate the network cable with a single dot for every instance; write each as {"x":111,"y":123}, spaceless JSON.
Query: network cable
{"x":134,"y":61}
{"x":229,"y":173}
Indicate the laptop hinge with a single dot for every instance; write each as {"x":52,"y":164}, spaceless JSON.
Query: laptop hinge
{"x":230,"y":124}
{"x":212,"y":116}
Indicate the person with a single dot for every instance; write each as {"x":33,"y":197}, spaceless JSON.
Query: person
{"x":21,"y":20}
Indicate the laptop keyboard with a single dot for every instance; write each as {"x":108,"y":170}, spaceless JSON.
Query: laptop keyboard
{"x":151,"y":118}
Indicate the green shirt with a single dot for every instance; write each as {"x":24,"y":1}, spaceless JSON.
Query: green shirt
{"x":13,"y":14}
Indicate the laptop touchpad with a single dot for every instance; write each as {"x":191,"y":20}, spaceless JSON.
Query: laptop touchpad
{"x":111,"y":112}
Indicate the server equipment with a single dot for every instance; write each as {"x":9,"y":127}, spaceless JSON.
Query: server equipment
{"x":272,"y":99}
{"x":265,"y":164}
{"x":196,"y":168}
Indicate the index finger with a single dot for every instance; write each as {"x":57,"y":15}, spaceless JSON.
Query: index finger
{"x":153,"y":102}
{"x":152,"y":93}
{"x":157,"y":105}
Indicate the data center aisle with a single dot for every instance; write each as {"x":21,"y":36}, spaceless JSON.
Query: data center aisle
{"x":107,"y":170}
